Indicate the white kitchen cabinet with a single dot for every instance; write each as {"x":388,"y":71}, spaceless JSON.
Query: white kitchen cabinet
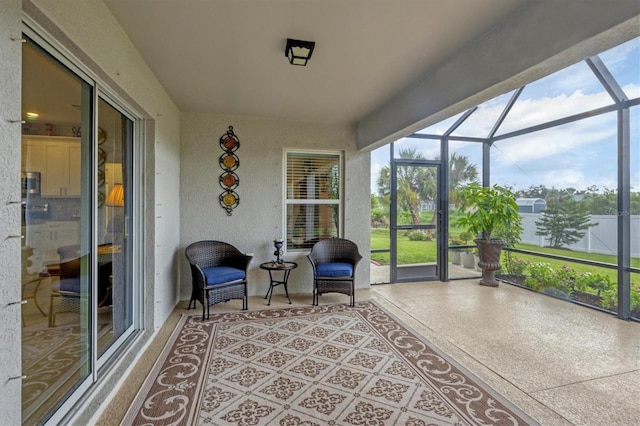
{"x":75,"y":183}
{"x":58,"y":159}
{"x":45,"y":239}
{"x":32,"y":156}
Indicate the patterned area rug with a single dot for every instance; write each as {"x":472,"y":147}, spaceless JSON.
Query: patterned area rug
{"x":50,"y":359}
{"x":325,"y":365}
{"x":53,"y":360}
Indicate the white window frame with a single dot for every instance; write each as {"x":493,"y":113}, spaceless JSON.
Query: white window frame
{"x":292,"y":201}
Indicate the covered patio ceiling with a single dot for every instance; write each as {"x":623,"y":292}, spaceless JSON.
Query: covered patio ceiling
{"x":386,"y":67}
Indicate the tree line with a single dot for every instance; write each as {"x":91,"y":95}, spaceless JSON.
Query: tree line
{"x":564,"y":222}
{"x":593,"y":200}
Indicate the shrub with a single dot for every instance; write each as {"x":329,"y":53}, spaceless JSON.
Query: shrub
{"x":511,"y":237}
{"x":635,"y":298}
{"x":564,"y":281}
{"x":597,"y":282}
{"x":419,"y":236}
{"x":378,"y":217}
{"x":515,"y":266}
{"x":466,"y":237}
{"x":541,"y":275}
{"x":455,"y":242}
{"x":610,"y":298}
{"x":566,"y":278}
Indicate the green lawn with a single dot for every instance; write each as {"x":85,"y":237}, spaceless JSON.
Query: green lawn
{"x":425,"y":251}
{"x":408,"y":251}
{"x":596,"y":257}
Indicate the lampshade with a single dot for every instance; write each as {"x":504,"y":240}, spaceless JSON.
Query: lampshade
{"x":116,"y":196}
{"x":299,"y":52}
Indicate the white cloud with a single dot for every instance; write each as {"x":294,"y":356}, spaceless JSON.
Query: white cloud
{"x":576,"y":154}
{"x":530,"y":112}
{"x":375,"y":172}
{"x":562,"y":178}
{"x":554,"y":141}
{"x":632,"y":91}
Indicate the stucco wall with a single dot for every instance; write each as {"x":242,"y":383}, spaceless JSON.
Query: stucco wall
{"x":88,"y":34}
{"x":10,"y":88}
{"x":258,"y":218}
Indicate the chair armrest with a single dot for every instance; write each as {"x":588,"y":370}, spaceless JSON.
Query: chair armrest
{"x":313,"y":263}
{"x":238,"y":261}
{"x":248,"y":257}
{"x":198,"y":276}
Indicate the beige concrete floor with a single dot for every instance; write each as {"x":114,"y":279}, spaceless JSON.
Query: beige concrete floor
{"x":561,"y":363}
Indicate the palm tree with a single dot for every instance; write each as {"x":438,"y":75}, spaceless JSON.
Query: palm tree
{"x":418,"y":184}
{"x":461,"y":173}
{"x":415,"y":184}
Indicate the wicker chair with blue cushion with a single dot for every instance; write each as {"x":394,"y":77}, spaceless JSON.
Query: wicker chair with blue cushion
{"x":334,"y":263}
{"x":66,"y":293}
{"x":218,"y":272}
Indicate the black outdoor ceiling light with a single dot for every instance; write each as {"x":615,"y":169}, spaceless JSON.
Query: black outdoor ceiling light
{"x":299,"y":52}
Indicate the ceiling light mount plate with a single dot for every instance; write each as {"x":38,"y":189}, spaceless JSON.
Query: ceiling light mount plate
{"x":299,"y":51}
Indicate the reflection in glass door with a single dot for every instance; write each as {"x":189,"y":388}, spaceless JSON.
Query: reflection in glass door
{"x":415,"y":220}
{"x":76,"y":253}
{"x":114,"y":304}
{"x":56,"y":250}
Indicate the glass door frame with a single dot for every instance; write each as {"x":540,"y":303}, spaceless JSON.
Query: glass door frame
{"x":394,"y":227}
{"x":86,"y":238}
{"x":129,"y":229}
{"x":64,"y":409}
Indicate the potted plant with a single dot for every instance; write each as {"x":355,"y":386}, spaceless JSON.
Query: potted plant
{"x":455,"y":253}
{"x":489,"y":211}
{"x":466,"y":257}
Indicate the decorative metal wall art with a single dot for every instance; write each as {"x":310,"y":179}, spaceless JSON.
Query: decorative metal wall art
{"x":102,"y":159}
{"x":229,"y":162}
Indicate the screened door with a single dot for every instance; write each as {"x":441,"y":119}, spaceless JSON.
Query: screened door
{"x":415,"y":217}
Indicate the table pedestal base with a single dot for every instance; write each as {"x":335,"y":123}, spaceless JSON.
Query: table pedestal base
{"x":286,"y":268}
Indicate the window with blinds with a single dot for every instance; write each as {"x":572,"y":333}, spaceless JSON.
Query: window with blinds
{"x":313,"y":198}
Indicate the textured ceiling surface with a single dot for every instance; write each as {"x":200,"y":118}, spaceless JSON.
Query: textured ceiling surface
{"x":227,"y":56}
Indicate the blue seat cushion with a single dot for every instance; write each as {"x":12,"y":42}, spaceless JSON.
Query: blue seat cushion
{"x":334,"y":269}
{"x":222,"y":274}
{"x":71,"y":285}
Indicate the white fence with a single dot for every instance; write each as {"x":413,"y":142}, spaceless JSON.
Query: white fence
{"x":602,"y":238}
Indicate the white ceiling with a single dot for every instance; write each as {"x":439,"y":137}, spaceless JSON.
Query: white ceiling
{"x":227,"y":56}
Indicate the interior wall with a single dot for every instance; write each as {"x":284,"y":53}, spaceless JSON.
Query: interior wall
{"x":10,"y":89}
{"x":257,"y":220}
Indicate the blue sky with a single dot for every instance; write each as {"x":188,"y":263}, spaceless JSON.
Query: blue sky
{"x":577,"y":155}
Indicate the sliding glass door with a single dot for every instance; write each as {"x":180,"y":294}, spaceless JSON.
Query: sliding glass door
{"x":76,"y":253}
{"x":115,"y":140}
{"x":56,"y":250}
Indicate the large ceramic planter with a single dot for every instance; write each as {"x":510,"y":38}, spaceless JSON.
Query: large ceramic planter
{"x":455,"y":257}
{"x":467,"y":259}
{"x":489,"y":252}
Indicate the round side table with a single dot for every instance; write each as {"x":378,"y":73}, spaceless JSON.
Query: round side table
{"x":272,"y":267}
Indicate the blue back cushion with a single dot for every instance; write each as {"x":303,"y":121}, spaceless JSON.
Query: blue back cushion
{"x":334,"y":269}
{"x":222,"y":274}
{"x":70,"y":284}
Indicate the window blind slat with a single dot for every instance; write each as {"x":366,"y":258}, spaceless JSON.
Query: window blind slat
{"x":312,"y":197}
{"x":313,"y":176}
